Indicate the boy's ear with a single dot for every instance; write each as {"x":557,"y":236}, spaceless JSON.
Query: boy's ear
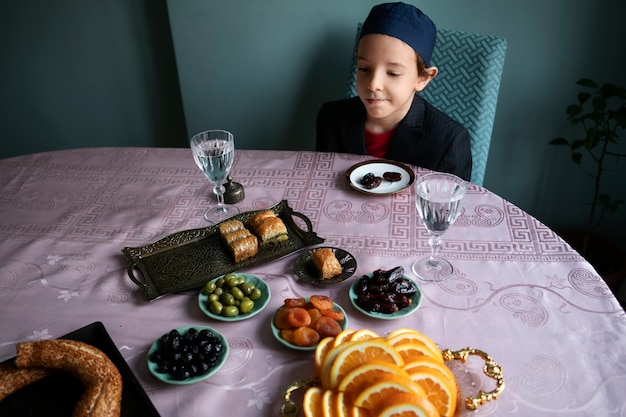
{"x":423,"y":80}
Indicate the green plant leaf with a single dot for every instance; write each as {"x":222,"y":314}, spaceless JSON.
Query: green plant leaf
{"x":612,"y":136}
{"x":599,"y":103}
{"x":619,"y":116}
{"x":608,"y":90}
{"x":577,"y":143}
{"x":586,"y":82}
{"x":576,"y":157}
{"x":583,"y":97}
{"x":573,"y":110}
{"x":559,"y":141}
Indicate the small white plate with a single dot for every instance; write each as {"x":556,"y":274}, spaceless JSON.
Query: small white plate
{"x":378,"y":167}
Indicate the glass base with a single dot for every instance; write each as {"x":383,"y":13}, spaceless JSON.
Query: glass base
{"x":435,"y":270}
{"x":219,"y":213}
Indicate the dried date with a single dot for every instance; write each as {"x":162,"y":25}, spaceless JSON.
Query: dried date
{"x":370,"y":181}
{"x":385,"y":291}
{"x":392,"y":176}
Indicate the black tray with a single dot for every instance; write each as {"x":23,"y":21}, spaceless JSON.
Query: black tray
{"x":57,"y":394}
{"x":188,"y":259}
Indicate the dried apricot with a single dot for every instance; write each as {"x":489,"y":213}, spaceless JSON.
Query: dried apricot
{"x":322,"y":302}
{"x":280,"y":319}
{"x":327,"y":326}
{"x":305,"y":336}
{"x":287,"y":335}
{"x":315,"y":314}
{"x":298,"y":317}
{"x":335,"y":314}
{"x":295,"y":302}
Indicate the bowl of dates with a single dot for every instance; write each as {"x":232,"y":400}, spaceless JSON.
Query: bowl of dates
{"x":187,"y":354}
{"x":385,"y":294}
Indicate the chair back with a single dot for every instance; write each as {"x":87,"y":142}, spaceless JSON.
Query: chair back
{"x":466,"y":87}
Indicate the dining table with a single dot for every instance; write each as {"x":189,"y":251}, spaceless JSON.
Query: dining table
{"x":518,"y":291}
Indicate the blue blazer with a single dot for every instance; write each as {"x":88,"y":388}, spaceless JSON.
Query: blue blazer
{"x":426,"y":137}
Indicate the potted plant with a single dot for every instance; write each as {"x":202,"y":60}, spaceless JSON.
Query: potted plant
{"x":601,"y":112}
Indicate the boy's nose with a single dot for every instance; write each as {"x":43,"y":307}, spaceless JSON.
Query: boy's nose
{"x":375,"y":81}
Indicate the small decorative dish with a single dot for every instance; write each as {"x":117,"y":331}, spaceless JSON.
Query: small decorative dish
{"x":379,"y":167}
{"x":306,"y":270}
{"x":259,"y":303}
{"x":416,"y":300}
{"x":276,"y":331}
{"x":212,"y":360}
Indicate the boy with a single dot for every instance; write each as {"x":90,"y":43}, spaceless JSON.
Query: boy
{"x":389,"y":119}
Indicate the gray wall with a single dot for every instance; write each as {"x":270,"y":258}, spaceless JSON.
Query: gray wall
{"x":93,"y":73}
{"x":78,"y":73}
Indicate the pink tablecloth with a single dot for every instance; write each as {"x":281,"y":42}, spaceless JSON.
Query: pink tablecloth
{"x":518,"y":291}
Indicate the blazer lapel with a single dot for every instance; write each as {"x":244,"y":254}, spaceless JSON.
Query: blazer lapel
{"x":410,"y":132}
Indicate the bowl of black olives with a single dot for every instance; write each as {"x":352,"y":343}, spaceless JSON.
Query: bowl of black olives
{"x":187,"y":355}
{"x":386,"y":294}
{"x":234,"y":297}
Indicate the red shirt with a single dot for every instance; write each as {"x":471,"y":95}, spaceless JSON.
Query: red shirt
{"x":377,"y":144}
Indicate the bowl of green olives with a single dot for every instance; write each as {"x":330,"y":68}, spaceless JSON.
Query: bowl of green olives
{"x":234,"y":297}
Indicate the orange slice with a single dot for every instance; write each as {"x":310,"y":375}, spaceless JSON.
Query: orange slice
{"x":440,"y":390}
{"x":343,"y":336}
{"x":363,"y":375}
{"x":343,"y":406}
{"x":417,"y":363}
{"x":360,"y":412}
{"x":312,"y":402}
{"x":358,"y":353}
{"x":408,"y":405}
{"x":406,"y":335}
{"x":413,"y":350}
{"x":321,"y":350}
{"x":376,"y":395}
{"x":363,"y":334}
{"x":329,"y":401}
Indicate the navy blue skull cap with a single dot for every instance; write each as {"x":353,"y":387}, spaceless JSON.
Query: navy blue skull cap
{"x":405,"y":22}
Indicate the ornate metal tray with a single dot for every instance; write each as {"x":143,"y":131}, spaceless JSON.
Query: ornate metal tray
{"x":491,"y":369}
{"x":188,"y":259}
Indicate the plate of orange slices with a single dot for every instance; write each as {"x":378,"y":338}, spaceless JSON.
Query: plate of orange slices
{"x":401,"y":373}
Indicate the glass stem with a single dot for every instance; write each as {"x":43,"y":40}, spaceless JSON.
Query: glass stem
{"x":219,"y":192}
{"x":435,"y":245}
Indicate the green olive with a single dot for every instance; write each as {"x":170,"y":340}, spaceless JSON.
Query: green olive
{"x":218,"y":291}
{"x":216,"y":307}
{"x":213,"y":297}
{"x":247,"y":288}
{"x":230,"y":311}
{"x":229,"y":276}
{"x":209,"y":287}
{"x":246,"y":305}
{"x":219,"y":282}
{"x":232,"y":282}
{"x":237,"y":293}
{"x":256,"y":294}
{"x":227,"y":299}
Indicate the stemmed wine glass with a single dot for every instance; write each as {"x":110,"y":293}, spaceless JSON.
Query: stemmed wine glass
{"x":214,"y":152}
{"x":438,"y":200}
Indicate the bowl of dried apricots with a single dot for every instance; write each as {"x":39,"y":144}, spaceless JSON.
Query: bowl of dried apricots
{"x":300,"y":323}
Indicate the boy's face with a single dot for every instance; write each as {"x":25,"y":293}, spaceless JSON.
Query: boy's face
{"x":387,"y":79}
